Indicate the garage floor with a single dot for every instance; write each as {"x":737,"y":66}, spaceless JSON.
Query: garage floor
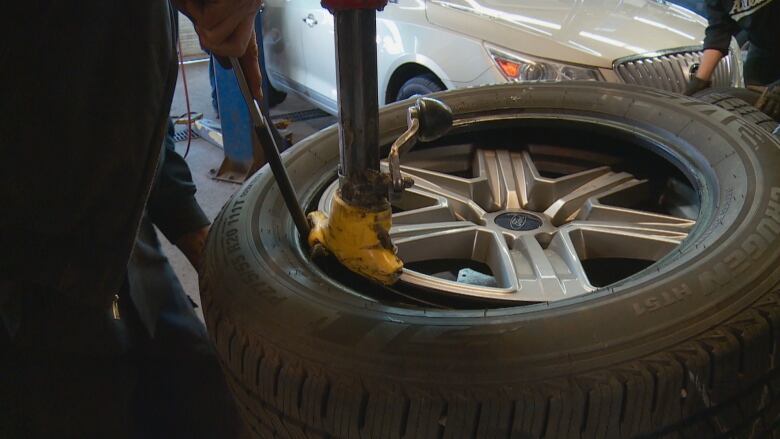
{"x":203,"y":157}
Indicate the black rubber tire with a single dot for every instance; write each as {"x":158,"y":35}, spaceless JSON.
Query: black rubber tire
{"x":740,"y":101}
{"x":275,"y":97}
{"x":421,"y":85}
{"x":692,"y":352}
{"x":745,"y":94}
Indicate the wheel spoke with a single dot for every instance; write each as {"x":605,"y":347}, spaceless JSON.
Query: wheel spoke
{"x":465,"y":188}
{"x":510,"y":177}
{"x":543,"y":274}
{"x":598,"y":214}
{"x":641,"y":222}
{"x":450,"y":191}
{"x":546,"y":190}
{"x":423,"y":230}
{"x":566,"y":206}
{"x":469,"y":243}
{"x":593,"y":241}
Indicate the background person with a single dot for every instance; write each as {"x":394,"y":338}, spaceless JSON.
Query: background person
{"x":760,"y":20}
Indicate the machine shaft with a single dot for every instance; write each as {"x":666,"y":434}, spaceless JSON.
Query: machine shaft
{"x":356,"y":69}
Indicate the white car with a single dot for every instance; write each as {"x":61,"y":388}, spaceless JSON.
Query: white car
{"x":431,"y":45}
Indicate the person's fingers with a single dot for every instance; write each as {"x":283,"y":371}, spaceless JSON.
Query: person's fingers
{"x":221,"y":19}
{"x":250,"y":63}
{"x":763,"y":101}
{"x":236,"y":44}
{"x":221,"y":31}
{"x":192,"y":245}
{"x":222,"y":24}
{"x":193,"y":9}
{"x":218,"y":13}
{"x":230,"y":48}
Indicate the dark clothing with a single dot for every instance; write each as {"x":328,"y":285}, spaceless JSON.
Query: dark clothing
{"x":85,"y":100}
{"x":759,"y":18}
{"x":72,"y":372}
{"x":172,"y":206}
{"x":86,"y":94}
{"x":173,"y":209}
{"x":762,"y":67}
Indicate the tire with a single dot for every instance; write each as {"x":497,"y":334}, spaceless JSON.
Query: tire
{"x":691,"y":352}
{"x":419,"y":85}
{"x":275,"y":97}
{"x":740,"y":101}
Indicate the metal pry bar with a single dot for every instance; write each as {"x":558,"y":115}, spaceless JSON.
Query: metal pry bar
{"x":269,"y":140}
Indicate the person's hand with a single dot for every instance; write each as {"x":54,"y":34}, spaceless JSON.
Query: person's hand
{"x":250,"y":64}
{"x":227,"y":29}
{"x":696,"y":85}
{"x":769,"y":102}
{"x":192,"y":245}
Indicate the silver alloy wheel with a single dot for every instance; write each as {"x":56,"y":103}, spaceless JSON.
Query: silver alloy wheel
{"x":533,"y":232}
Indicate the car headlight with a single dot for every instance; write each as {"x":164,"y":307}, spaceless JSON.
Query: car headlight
{"x":517,"y":67}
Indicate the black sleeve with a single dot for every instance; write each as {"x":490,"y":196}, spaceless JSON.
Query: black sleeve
{"x":721,"y":27}
{"x":172,"y":206}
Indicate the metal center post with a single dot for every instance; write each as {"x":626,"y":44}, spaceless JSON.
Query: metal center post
{"x":356,"y":230}
{"x":356,"y":69}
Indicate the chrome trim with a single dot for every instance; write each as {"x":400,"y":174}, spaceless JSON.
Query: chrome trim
{"x":656,"y":53}
{"x":671,"y":69}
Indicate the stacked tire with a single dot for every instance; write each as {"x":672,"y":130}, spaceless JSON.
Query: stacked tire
{"x":692,"y":354}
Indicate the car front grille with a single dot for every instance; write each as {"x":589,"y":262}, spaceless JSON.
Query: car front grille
{"x":671,"y":70}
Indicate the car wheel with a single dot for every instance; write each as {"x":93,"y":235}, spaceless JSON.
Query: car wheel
{"x":419,"y":86}
{"x":740,"y":101}
{"x":275,"y":97}
{"x":582,"y":260}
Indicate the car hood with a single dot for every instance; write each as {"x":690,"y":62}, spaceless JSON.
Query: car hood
{"x":586,"y":32}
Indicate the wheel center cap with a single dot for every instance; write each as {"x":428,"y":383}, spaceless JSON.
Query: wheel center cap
{"x":518,"y":221}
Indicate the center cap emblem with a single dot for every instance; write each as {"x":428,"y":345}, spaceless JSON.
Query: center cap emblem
{"x":518,"y":221}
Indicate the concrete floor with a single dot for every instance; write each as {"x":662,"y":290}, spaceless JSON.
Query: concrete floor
{"x":204,"y":157}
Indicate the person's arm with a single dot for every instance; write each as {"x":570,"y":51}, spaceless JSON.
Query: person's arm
{"x":709,"y":61}
{"x":227,"y":28}
{"x":172,"y":206}
{"x":720,"y":29}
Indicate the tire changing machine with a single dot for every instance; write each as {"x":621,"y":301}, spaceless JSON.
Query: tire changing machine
{"x":356,"y":228}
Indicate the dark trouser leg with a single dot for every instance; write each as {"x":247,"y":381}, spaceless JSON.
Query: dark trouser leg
{"x":182,"y":392}
{"x":65,"y":373}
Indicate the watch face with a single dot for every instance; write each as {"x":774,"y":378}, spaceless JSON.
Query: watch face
{"x":692,"y":69}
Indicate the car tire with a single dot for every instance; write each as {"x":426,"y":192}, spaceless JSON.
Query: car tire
{"x":275,"y":97}
{"x":419,"y":86}
{"x":740,"y":101}
{"x":692,"y":353}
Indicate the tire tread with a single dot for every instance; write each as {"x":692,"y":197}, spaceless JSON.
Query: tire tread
{"x":722,"y":384}
{"x":740,"y":107}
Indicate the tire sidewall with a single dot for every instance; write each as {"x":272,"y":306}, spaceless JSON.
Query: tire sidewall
{"x":259,"y":276}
